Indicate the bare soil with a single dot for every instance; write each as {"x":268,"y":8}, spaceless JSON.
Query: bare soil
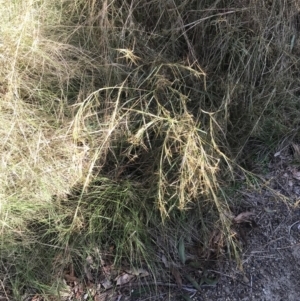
{"x":271,"y":257}
{"x":271,"y":266}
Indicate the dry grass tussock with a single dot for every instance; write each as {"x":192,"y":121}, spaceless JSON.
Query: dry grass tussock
{"x":128,"y":123}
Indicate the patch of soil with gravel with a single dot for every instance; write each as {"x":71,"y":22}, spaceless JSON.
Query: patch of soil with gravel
{"x":271,"y":260}
{"x":271,"y":256}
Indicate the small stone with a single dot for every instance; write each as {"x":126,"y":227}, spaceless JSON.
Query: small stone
{"x":245,"y":279}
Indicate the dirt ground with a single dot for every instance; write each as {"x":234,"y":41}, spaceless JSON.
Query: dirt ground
{"x":271,"y":258}
{"x":270,"y":261}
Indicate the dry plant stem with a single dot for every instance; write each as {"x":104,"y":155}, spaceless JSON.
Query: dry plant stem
{"x":117,"y":117}
{"x":287,"y":247}
{"x":4,"y":290}
{"x":290,"y":227}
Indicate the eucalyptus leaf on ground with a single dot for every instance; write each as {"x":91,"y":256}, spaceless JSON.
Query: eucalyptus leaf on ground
{"x":244,"y":217}
{"x":138,"y":272}
{"x":124,"y":278}
{"x":176,"y":274}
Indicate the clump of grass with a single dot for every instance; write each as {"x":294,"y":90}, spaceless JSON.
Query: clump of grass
{"x":122,"y":119}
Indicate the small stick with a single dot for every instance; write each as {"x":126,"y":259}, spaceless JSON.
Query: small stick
{"x":290,"y":227}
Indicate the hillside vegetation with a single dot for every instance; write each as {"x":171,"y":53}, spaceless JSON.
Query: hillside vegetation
{"x":128,"y":127}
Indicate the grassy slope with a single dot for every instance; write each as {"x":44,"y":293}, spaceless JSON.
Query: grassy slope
{"x":123,"y":124}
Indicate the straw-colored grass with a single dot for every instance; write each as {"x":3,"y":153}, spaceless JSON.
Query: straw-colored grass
{"x":124,"y":124}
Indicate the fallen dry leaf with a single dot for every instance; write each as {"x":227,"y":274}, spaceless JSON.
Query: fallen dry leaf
{"x":176,"y":275}
{"x":296,"y":148}
{"x":78,"y":290}
{"x":70,"y":278}
{"x":124,"y":278}
{"x":165,"y":261}
{"x":88,"y":273}
{"x":296,"y":175}
{"x":138,"y":272}
{"x":89,"y":260}
{"x":102,"y":297}
{"x":107,"y":296}
{"x":268,"y":210}
{"x":277,"y":154}
{"x":217,"y":238}
{"x":243,"y":217}
{"x":107,"y":284}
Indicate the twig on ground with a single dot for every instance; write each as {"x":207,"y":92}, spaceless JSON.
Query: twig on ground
{"x":290,"y":227}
